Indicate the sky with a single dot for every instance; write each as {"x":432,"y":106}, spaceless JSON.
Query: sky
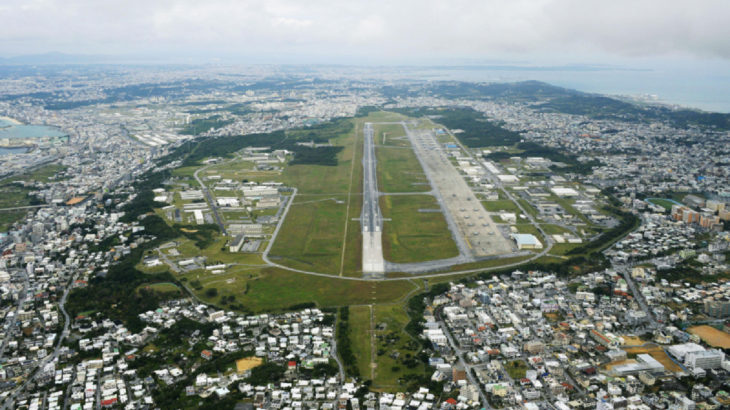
{"x":374,"y":31}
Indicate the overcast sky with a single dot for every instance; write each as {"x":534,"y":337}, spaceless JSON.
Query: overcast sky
{"x":372,"y":30}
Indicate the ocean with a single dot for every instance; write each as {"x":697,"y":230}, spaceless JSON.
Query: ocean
{"x":701,"y":88}
{"x":11,"y":130}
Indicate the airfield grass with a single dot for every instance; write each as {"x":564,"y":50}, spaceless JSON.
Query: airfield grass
{"x":360,"y":338}
{"x":552,"y":229}
{"x":390,"y":135}
{"x":311,"y":237}
{"x":529,"y":228}
{"x":501,"y":205}
{"x":489,"y":264}
{"x":277,"y":288}
{"x":412,"y":236}
{"x":383,"y":116}
{"x":399,"y":171}
{"x":529,"y":208}
{"x":568,"y":206}
{"x":352,"y":256}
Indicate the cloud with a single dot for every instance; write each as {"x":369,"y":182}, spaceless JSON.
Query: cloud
{"x":370,"y":28}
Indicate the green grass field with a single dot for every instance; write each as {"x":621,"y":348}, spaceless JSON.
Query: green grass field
{"x":396,"y":350}
{"x":42,"y":174}
{"x":311,"y":237}
{"x":163,"y":287}
{"x":501,"y":205}
{"x":390,"y":135}
{"x":412,"y":236}
{"x":664,"y":203}
{"x":400,"y":171}
{"x":14,"y":195}
{"x":360,"y":338}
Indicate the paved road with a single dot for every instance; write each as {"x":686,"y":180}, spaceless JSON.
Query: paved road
{"x":265,"y":255}
{"x":10,"y":400}
{"x":18,"y":208}
{"x":460,"y":354}
{"x":211,"y":201}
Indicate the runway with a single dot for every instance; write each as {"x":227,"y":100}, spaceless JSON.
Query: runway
{"x":371,"y":220}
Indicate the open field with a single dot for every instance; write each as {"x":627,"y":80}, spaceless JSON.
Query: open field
{"x":14,"y":195}
{"x":711,"y":336}
{"x":657,"y":353}
{"x":360,"y":338}
{"x":272,"y":289}
{"x":501,"y":205}
{"x":164,"y":287}
{"x":400,"y":171}
{"x":516,"y":369}
{"x":42,"y":174}
{"x":390,"y":135}
{"x":413,"y":236}
{"x":278,"y":289}
{"x":247,"y":363}
{"x":663,"y":202}
{"x":632,"y":340}
{"x":352,"y":252}
{"x":312,"y":234}
{"x":396,"y":351}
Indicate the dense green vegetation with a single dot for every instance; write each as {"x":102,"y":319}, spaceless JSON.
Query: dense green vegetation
{"x":600,"y":107}
{"x":477,"y":130}
{"x":533,"y":149}
{"x":202,"y":235}
{"x":526,"y":91}
{"x":319,"y":156}
{"x":201,"y":125}
{"x":344,"y":346}
{"x":114,"y":293}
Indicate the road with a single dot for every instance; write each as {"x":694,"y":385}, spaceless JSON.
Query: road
{"x":265,"y":255}
{"x":10,"y":400}
{"x":21,"y":299}
{"x":210,"y":199}
{"x":460,"y":354}
{"x":19,"y":208}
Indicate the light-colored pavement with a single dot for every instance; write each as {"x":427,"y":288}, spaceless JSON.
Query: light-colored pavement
{"x":371,"y":220}
{"x":475,"y":233}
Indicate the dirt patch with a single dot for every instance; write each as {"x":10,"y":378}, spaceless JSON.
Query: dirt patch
{"x":247,"y":363}
{"x":189,"y":230}
{"x":632,"y":341}
{"x":711,"y":336}
{"x":657,"y":353}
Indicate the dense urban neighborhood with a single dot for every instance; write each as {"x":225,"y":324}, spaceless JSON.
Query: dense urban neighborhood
{"x":221,"y":237}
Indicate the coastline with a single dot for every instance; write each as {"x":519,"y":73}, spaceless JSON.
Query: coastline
{"x":13,"y":121}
